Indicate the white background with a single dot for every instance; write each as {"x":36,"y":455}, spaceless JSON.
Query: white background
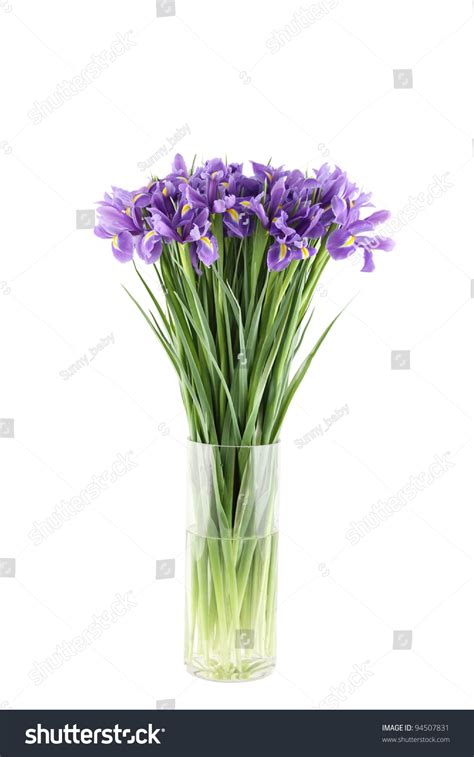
{"x":327,"y":94}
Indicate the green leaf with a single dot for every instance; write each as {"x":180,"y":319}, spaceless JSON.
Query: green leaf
{"x":297,"y":379}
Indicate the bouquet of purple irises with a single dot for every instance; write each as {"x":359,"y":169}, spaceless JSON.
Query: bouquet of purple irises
{"x":237,"y":257}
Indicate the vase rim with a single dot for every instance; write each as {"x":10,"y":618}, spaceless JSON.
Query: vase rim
{"x":234,"y":446}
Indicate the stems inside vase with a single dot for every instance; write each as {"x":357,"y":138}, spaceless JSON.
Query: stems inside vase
{"x":231,"y":555}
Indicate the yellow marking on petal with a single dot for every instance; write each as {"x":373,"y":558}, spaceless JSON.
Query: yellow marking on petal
{"x":225,"y":183}
{"x":274,"y":219}
{"x":128,"y":212}
{"x":185,"y":209}
{"x":151,"y":184}
{"x":268,"y":175}
{"x":115,"y":241}
{"x":282,"y":251}
{"x":140,"y":194}
{"x":165,"y":192}
{"x":305,"y":252}
{"x":348,"y":242}
{"x":148,"y":236}
{"x":207,"y":242}
{"x":183,"y":178}
{"x":245,"y":203}
{"x":233,"y":214}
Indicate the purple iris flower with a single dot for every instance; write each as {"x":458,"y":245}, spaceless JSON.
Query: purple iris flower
{"x":149,"y":246}
{"x":118,"y":212}
{"x":204,"y":250}
{"x":236,"y":216}
{"x":288,"y":245}
{"x":179,"y":174}
{"x":120,"y":219}
{"x":294,"y":209}
{"x":352,"y":234}
{"x":257,"y":207}
{"x":282,"y":253}
{"x":267,"y":173}
{"x":122,"y":246}
{"x":279,"y":255}
{"x":188,"y":225}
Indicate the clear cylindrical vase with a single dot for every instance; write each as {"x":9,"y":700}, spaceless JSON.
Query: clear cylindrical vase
{"x":231,"y":561}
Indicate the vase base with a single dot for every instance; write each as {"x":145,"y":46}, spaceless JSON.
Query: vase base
{"x":249,"y":670}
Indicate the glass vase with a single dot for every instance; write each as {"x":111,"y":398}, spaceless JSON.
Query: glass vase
{"x":231,"y":561}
